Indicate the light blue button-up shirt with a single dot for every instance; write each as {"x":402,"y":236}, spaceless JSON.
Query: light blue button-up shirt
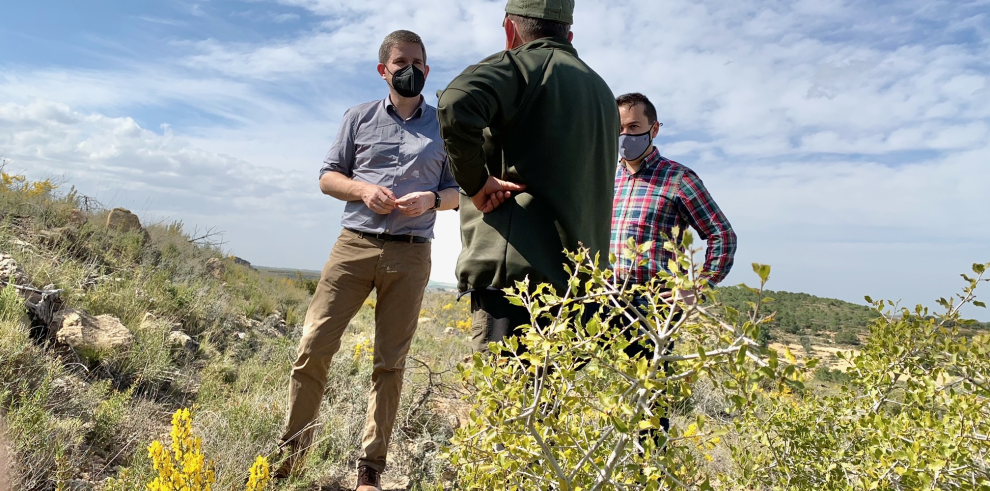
{"x":376,"y":146}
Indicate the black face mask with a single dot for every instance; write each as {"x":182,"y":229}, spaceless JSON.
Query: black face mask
{"x":408,"y":81}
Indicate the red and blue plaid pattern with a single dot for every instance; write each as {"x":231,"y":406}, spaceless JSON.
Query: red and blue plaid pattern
{"x":648,"y":206}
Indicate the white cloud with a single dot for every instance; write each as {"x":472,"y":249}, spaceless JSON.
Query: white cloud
{"x":285,"y":17}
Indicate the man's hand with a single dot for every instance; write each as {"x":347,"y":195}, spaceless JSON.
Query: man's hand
{"x":378,"y":199}
{"x":686,"y":296}
{"x":415,"y":204}
{"x":495,"y":192}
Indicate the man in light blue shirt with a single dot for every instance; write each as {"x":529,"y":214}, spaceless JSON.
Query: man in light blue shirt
{"x":388,"y":164}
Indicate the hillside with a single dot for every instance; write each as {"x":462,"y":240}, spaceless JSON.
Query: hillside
{"x":109,"y":325}
{"x":798,"y":316}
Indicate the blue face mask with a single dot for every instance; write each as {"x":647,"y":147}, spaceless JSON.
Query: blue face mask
{"x":632,"y":147}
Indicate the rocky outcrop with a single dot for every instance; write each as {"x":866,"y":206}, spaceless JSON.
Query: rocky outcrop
{"x":216,"y":267}
{"x":242,"y":262}
{"x":244,"y":323}
{"x":89,"y":334}
{"x":9,"y":269}
{"x":122,"y":220}
{"x":274,"y":325}
{"x":179,"y":339}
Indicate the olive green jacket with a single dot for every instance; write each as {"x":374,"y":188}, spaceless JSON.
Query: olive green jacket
{"x":539,"y":116}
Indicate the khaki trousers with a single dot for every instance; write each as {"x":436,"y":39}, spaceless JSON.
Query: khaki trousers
{"x":399,"y":272}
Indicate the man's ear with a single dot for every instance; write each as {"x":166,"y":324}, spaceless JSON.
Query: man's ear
{"x":570,"y":36}
{"x":381,"y":71}
{"x":426,"y":71}
{"x":655,"y":130}
{"x":510,"y":34}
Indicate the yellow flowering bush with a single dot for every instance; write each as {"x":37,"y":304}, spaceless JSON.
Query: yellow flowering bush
{"x":364,"y":348}
{"x":183,"y":467}
{"x":260,"y":475}
{"x":19,"y":184}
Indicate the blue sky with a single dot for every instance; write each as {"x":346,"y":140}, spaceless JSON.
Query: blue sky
{"x":847,"y":141}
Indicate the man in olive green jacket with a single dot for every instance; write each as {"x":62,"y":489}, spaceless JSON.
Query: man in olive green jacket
{"x":532,"y":137}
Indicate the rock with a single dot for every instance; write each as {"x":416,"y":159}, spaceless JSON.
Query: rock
{"x":425,"y":320}
{"x":240,"y":335}
{"x":122,"y":220}
{"x":182,"y":340}
{"x":242,"y":322}
{"x":242,"y":262}
{"x":450,"y":330}
{"x":77,"y":218}
{"x":216,"y":267}
{"x":57,"y":236}
{"x":273,"y":325}
{"x":86,"y":333}
{"x":10,"y":269}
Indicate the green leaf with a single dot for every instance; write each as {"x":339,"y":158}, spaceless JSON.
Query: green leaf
{"x":620,"y":425}
{"x":979,"y":304}
{"x":762,"y":270}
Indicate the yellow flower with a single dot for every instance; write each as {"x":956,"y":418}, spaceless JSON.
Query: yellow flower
{"x":691,"y":430}
{"x":260,"y":476}
{"x":185,"y":468}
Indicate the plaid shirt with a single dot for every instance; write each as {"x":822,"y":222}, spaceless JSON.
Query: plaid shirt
{"x":650,"y":203}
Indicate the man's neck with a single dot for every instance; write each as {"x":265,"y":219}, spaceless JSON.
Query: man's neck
{"x":634,"y":165}
{"x":404,"y":107}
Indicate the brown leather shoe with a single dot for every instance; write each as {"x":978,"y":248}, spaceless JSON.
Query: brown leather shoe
{"x":283,"y":461}
{"x":368,"y":479}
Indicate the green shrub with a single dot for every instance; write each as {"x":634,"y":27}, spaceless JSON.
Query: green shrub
{"x":567,"y":409}
{"x":847,"y":337}
{"x":912,"y":412}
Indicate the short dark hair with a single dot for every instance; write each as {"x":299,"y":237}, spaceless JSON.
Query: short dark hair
{"x":633,"y":99}
{"x":398,"y":37}
{"x":531,"y":29}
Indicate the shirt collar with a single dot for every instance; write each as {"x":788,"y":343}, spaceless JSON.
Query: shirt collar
{"x":648,"y":163}
{"x":556,"y":43}
{"x":390,"y":108}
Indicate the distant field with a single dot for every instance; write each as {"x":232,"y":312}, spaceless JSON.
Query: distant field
{"x":308,"y":274}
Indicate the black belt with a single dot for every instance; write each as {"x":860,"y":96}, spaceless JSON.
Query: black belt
{"x":412,"y":239}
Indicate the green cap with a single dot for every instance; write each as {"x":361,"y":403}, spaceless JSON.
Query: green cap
{"x":555,"y":10}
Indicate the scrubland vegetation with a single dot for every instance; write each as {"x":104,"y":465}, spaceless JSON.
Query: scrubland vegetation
{"x":790,"y":393}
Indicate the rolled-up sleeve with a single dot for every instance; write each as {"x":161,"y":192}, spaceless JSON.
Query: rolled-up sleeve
{"x":340,"y":158}
{"x":447,"y":180}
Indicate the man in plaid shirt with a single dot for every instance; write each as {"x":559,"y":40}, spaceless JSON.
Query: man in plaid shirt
{"x":653,"y":195}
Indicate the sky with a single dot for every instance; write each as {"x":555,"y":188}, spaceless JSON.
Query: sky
{"x":848,"y":142}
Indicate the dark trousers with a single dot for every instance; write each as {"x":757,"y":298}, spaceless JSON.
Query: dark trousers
{"x":494,"y":318}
